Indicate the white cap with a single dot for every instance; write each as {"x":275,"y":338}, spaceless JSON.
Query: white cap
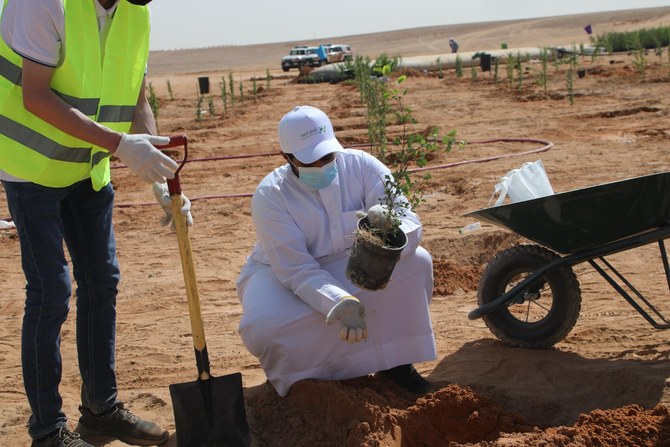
{"x":306,"y":132}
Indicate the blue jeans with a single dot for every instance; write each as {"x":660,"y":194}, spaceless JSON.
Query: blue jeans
{"x":82,"y":217}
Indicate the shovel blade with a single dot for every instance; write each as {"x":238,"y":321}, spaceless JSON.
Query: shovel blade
{"x":210,"y":413}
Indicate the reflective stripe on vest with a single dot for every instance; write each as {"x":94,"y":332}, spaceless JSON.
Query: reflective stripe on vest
{"x":32,"y":149}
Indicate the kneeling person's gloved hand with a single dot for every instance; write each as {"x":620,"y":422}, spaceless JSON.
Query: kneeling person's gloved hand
{"x":163,"y":196}
{"x":378,"y":217}
{"x":351,"y":315}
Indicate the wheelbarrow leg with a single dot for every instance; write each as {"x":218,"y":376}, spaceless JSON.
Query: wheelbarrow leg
{"x":664,"y":257}
{"x":628,"y":297}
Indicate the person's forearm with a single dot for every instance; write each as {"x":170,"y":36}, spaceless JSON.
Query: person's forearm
{"x":39,"y":99}
{"x":59,"y":114}
{"x":143,"y":120}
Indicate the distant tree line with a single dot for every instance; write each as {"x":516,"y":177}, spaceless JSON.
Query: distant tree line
{"x":645,"y":38}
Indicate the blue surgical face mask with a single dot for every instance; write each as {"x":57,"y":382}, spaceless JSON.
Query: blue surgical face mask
{"x":318,"y":177}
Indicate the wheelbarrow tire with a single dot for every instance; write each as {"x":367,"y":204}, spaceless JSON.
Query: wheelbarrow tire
{"x":560,"y":298}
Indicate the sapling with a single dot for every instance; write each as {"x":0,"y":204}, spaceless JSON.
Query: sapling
{"x":509,"y":67}
{"x":210,"y":104}
{"x":544,"y":60}
{"x":153,"y":100}
{"x":596,"y":52}
{"x":198,"y":109}
{"x":224,"y":96}
{"x":401,"y":192}
{"x":570,"y":78}
{"x":372,"y":83}
{"x":232,"y":89}
{"x":519,"y":69}
{"x":154,"y":104}
{"x":659,"y":53}
{"x":640,"y":59}
{"x":169,"y":87}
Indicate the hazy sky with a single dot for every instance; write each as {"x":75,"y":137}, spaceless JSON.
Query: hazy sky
{"x":202,"y":23}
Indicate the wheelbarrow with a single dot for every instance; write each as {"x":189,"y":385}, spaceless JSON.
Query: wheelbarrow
{"x":529,"y":295}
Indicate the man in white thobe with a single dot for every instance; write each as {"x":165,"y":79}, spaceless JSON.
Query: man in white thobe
{"x":294,"y":280}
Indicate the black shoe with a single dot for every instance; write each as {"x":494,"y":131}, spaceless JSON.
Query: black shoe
{"x":122,"y":424}
{"x":405,"y":376}
{"x":62,"y":437}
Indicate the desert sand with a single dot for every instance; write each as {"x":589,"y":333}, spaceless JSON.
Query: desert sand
{"x":605,"y":384}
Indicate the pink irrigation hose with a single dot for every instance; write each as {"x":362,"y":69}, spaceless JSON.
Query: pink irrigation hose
{"x":546,"y":145}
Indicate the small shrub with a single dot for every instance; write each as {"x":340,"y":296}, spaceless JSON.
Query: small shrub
{"x":210,"y":105}
{"x":198,"y":109}
{"x":640,"y":62}
{"x":459,"y":67}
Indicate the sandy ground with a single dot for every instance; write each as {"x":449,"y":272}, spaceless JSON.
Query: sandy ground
{"x":605,"y":384}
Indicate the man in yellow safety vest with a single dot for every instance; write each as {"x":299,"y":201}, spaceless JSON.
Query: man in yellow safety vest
{"x":72,"y":80}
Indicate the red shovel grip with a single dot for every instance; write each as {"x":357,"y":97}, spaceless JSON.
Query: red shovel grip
{"x":174,"y":186}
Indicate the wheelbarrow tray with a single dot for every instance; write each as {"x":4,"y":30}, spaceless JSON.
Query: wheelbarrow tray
{"x":581,"y":219}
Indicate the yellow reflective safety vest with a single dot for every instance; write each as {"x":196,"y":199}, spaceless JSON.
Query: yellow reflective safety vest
{"x":103,"y":84}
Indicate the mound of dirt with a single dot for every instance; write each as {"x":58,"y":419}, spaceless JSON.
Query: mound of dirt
{"x":630,"y":426}
{"x":370,"y":412}
{"x":451,"y":276}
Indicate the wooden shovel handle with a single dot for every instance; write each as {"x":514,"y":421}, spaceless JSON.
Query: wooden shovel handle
{"x":190,"y":281}
{"x":187,"y":264}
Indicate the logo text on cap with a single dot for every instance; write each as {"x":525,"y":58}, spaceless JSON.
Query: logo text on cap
{"x":316,"y":130}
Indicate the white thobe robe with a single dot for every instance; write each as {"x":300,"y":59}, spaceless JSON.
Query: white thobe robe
{"x":296,"y":274}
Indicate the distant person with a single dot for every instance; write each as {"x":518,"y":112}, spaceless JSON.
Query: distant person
{"x":322,"y":52}
{"x":302,"y":317}
{"x":454,"y":45}
{"x":67,"y":105}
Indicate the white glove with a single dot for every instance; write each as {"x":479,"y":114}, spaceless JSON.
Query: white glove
{"x":163,"y":196}
{"x":377,"y":217}
{"x":137,"y":151}
{"x":351,"y":315}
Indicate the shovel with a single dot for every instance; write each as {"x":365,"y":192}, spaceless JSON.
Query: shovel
{"x":208,"y":412}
